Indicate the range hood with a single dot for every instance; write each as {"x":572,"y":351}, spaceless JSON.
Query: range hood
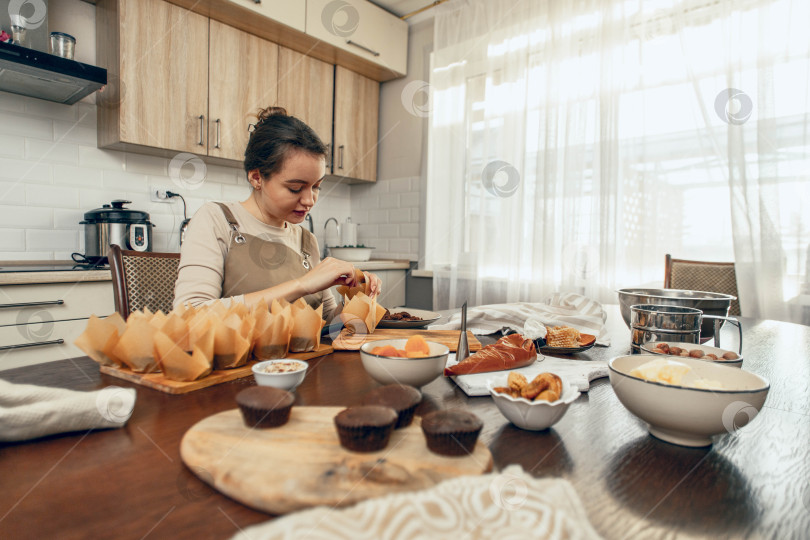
{"x":46,"y":76}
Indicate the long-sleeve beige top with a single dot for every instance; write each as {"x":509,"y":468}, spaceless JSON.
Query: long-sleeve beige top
{"x":202,"y":255}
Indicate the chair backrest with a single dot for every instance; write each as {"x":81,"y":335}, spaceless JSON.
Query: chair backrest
{"x":702,"y":276}
{"x":142,"y":280}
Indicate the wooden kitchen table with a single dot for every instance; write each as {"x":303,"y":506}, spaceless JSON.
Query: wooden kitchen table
{"x":131,"y":482}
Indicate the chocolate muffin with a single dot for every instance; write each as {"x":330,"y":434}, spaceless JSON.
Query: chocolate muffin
{"x":265,"y":406}
{"x":451,"y":433}
{"x":400,"y":397}
{"x":366,"y":428}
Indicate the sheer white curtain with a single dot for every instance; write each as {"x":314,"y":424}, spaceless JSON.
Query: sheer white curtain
{"x":573,"y":144}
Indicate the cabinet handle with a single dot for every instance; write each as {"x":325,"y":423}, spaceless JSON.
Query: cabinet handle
{"x":35,"y":344}
{"x":340,"y":157}
{"x":217,"y":143}
{"x":33,"y":304}
{"x":372,"y":51}
{"x":329,"y":157}
{"x":202,"y":130}
{"x":257,"y":1}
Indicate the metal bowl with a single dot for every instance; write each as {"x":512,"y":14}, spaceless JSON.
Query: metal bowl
{"x":710,"y":303}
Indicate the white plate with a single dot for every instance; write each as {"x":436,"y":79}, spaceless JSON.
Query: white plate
{"x":428,"y":317}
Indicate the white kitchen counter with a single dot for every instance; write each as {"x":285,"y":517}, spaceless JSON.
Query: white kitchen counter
{"x":25,"y":278}
{"x":382,"y":265}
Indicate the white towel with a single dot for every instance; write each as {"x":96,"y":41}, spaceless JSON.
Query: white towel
{"x":578,"y":373}
{"x":510,"y":504}
{"x":28,"y":411}
{"x":566,"y":309}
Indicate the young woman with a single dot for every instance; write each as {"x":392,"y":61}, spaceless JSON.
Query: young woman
{"x":254,"y":250}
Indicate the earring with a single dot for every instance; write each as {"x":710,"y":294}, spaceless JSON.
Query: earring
{"x":257,"y":187}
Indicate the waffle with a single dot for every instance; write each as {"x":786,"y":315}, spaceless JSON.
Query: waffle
{"x":562,"y":336}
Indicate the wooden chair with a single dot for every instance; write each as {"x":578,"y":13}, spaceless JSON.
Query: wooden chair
{"x":702,"y":276}
{"x":142,"y":280}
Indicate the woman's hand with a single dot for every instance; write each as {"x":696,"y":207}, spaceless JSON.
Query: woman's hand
{"x":330,"y":272}
{"x":375,"y":284}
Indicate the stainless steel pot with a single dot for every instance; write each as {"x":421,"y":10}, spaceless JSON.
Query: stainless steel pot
{"x":114,"y":224}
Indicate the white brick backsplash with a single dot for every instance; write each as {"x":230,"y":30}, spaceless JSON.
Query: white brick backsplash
{"x":414,"y":215}
{"x":97,"y":158}
{"x":124,"y":181}
{"x":90,"y":199}
{"x":225,"y":175}
{"x":12,"y":239}
{"x":62,"y":152}
{"x":389,"y":200}
{"x":389,"y":231}
{"x":23,"y":126}
{"x":76,"y":176}
{"x":409,"y":230}
{"x":398,"y":185}
{"x":409,"y":200}
{"x":378,"y":216}
{"x":25,"y":256}
{"x":359,"y":216}
{"x":25,"y":171}
{"x":67,"y":219}
{"x":52,"y":196}
{"x":52,"y":240}
{"x":26,"y":217}
{"x":50,"y":109}
{"x":149,"y":165}
{"x":234,"y":193}
{"x":11,"y":145}
{"x":140,"y":200}
{"x":12,"y":192}
{"x":400,"y":215}
{"x":12,"y":102}
{"x":74,"y":132}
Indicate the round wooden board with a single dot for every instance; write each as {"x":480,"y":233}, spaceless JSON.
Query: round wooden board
{"x":301,"y":464}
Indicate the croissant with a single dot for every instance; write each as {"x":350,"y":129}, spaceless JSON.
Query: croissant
{"x":509,"y":352}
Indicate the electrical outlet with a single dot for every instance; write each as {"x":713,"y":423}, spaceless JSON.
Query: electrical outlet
{"x":158,"y":195}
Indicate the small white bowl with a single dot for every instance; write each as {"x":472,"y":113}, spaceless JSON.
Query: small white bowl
{"x":532,"y":415}
{"x":737,"y":362}
{"x":286,"y":381}
{"x":689,"y":416}
{"x":353,"y":254}
{"x":411,"y":371}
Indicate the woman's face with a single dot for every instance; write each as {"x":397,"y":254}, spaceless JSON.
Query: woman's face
{"x":291,"y":193}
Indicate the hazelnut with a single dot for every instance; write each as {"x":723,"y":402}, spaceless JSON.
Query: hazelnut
{"x":696,"y":353}
{"x":663,"y":347}
{"x":711,"y":356}
{"x":730,"y":355}
{"x":675,"y":350}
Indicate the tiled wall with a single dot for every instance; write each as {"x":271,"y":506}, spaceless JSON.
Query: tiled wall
{"x":388,"y":216}
{"x":51,"y":172}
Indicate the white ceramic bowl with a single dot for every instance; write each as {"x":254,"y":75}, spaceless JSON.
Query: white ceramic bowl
{"x":532,"y":415}
{"x":737,"y":362}
{"x":689,"y":416}
{"x":351,"y":253}
{"x":286,"y":381}
{"x":412,"y":371}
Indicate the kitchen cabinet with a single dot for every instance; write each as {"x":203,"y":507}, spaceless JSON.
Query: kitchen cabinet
{"x":242,"y":75}
{"x":55,"y":311}
{"x":156,"y":56}
{"x":362,"y":29}
{"x":356,"y":113}
{"x":305,"y":89}
{"x":176,"y":93}
{"x":291,"y":13}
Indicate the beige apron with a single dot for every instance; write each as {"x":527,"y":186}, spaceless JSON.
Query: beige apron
{"x":253,"y":264}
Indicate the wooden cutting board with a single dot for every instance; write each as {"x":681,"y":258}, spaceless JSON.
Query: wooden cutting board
{"x":348,"y":341}
{"x":301,"y":464}
{"x":157,"y":381}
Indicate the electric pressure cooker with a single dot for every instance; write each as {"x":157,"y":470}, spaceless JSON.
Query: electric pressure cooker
{"x":114,"y":224}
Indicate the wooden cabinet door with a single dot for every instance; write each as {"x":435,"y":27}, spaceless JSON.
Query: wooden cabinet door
{"x":164,"y":75}
{"x":243,"y":76}
{"x":289,"y":12}
{"x":305,"y":89}
{"x":357,"y":100}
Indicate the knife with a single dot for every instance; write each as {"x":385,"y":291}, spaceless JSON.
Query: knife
{"x":463,"y":348}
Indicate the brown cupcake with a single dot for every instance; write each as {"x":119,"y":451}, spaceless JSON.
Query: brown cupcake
{"x":400,"y":397}
{"x":451,"y":433}
{"x":365,"y":429}
{"x":265,"y":406}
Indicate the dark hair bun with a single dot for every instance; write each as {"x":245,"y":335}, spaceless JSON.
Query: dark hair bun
{"x":264,"y":114}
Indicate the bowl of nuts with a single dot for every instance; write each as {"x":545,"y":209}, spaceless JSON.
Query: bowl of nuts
{"x":532,"y":405}
{"x":285,"y":373}
{"x":693,"y":350}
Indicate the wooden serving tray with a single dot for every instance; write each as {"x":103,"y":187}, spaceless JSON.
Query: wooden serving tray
{"x":348,"y":341}
{"x":157,"y":381}
{"x":301,"y":464}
